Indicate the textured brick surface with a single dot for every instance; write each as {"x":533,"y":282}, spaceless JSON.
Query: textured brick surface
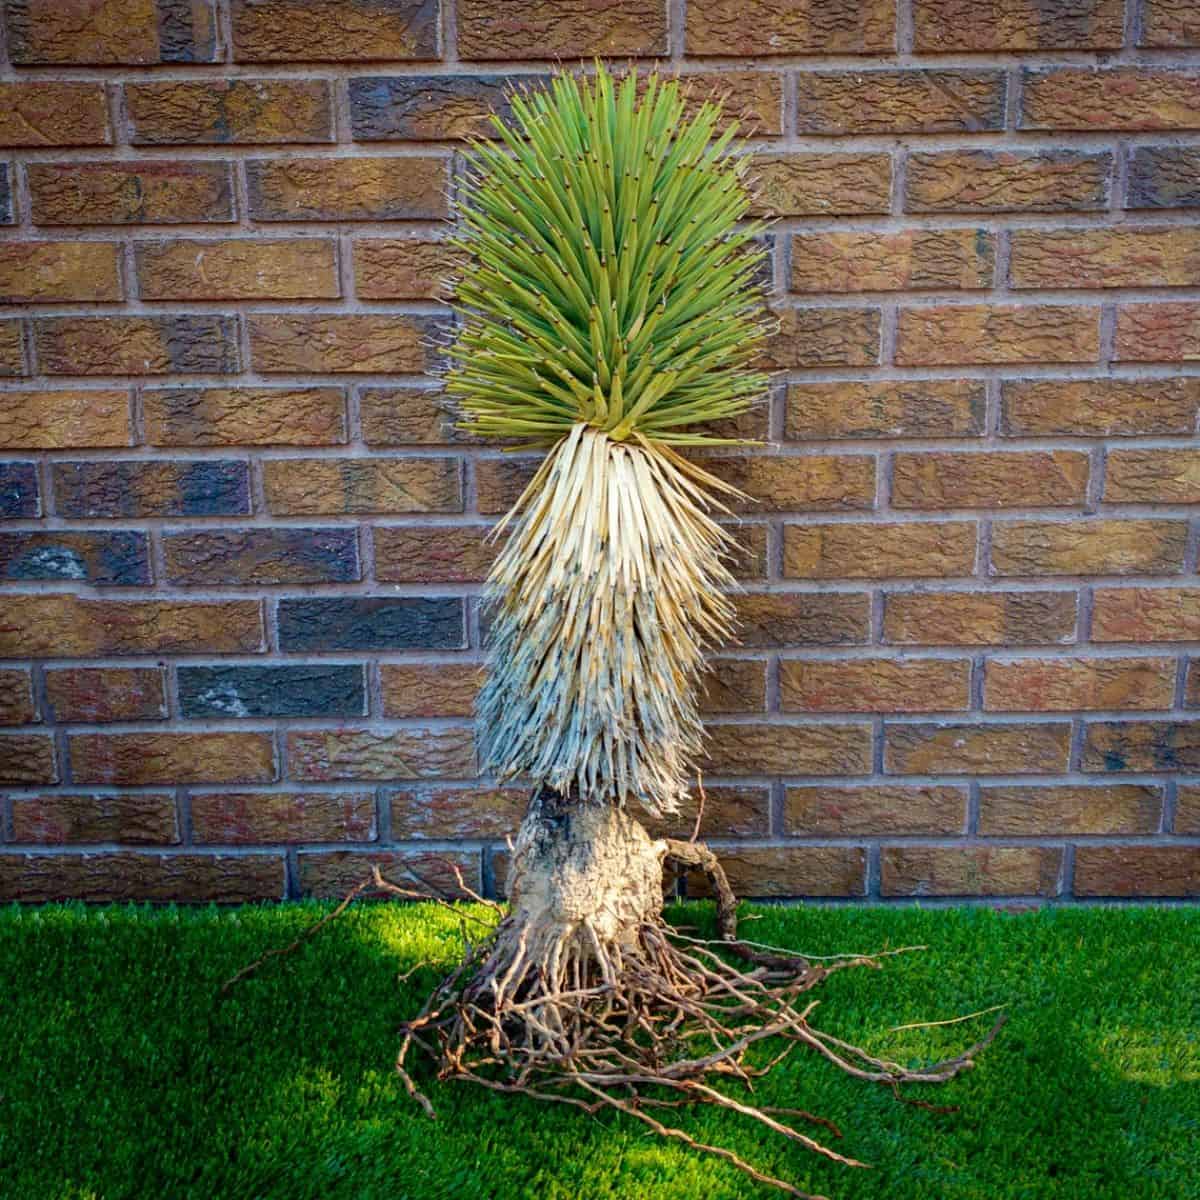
{"x":230,"y":111}
{"x":50,"y":272}
{"x":53,"y":114}
{"x":243,"y":544}
{"x":99,"y":694}
{"x":130,"y":193}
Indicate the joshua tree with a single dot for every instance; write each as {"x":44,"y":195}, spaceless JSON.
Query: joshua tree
{"x":609,"y":308}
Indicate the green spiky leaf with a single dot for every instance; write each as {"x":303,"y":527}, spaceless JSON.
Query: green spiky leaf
{"x":610,"y":273}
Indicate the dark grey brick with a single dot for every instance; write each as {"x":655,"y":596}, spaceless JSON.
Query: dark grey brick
{"x":19,"y":490}
{"x":429,"y":107}
{"x":334,"y":690}
{"x":204,"y":488}
{"x":103,"y":557}
{"x":1164,"y":177}
{"x":370,"y":623}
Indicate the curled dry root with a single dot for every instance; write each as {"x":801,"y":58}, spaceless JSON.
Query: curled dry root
{"x":638,"y":1018}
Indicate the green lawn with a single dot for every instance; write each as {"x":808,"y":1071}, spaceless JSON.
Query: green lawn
{"x":120,"y":1076}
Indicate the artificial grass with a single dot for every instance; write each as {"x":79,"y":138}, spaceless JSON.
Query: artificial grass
{"x":122,"y":1077}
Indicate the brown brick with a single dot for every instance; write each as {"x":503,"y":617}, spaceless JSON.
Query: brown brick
{"x":733,"y":685}
{"x":233,"y":111}
{"x":763,"y":27}
{"x":239,"y":557}
{"x":928,"y":749}
{"x":409,"y":416}
{"x":854,"y":102}
{"x":430,"y":689}
{"x":1099,"y":407}
{"x":1191,"y":695}
{"x":133,"y":759}
{"x":1033,"y":478}
{"x":499,"y":482}
{"x":823,"y":337}
{"x":997,"y":333}
{"x":802,"y":619}
{"x":299,"y":486}
{"x":458,"y":812}
{"x":107,"y":32}
{"x":1155,"y":476}
{"x":1187,"y":809}
{"x":334,"y":30}
{"x":813,"y":185}
{"x":57,"y":819}
{"x":331,"y":874}
{"x":1088,"y":547}
{"x":875,"y":685}
{"x":1070,"y":684}
{"x":12,"y":349}
{"x":1124,"y":98}
{"x":943,"y":26}
{"x":62,"y":626}
{"x":758,"y":749}
{"x":136,"y":345}
{"x":891,"y":262}
{"x":348,"y":189}
{"x":1070,"y":809}
{"x":1158,"y":332}
{"x":970,"y":870}
{"x":1138,"y":871}
{"x":249,"y":416}
{"x":186,"y":878}
{"x":16,"y":697}
{"x":978,"y":618}
{"x":248,"y":818}
{"x":52,"y":272}
{"x":405,"y":268}
{"x":1103,"y":258}
{"x":53,"y":113}
{"x":1146,"y":615}
{"x":979,"y":181}
{"x":879,"y":551}
{"x":387,"y":108}
{"x":728,"y":812}
{"x":885,"y":409}
{"x":751,"y":99}
{"x":124,"y":193}
{"x":98,"y":694}
{"x":567,"y":29}
{"x":748,"y":555}
{"x":64,"y":420}
{"x":433,"y":553}
{"x":873,"y":810}
{"x":1169,"y":23}
{"x":790,"y":871}
{"x":814,"y":482}
{"x":328,"y":343}
{"x":325,"y":755}
{"x":238,"y":269}
{"x":27,"y":758}
{"x":1141,"y":746}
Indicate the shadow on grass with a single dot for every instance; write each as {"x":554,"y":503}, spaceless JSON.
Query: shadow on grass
{"x":123,"y":1077}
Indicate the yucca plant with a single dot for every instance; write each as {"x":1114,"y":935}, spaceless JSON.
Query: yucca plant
{"x":610,"y":309}
{"x":609,"y":314}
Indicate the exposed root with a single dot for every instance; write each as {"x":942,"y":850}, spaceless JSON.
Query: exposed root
{"x":635,"y":1019}
{"x":646,"y":1022}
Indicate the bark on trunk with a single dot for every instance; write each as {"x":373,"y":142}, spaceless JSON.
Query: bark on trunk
{"x":586,"y":869}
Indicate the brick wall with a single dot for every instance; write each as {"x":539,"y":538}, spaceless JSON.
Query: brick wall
{"x":242,"y":545}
